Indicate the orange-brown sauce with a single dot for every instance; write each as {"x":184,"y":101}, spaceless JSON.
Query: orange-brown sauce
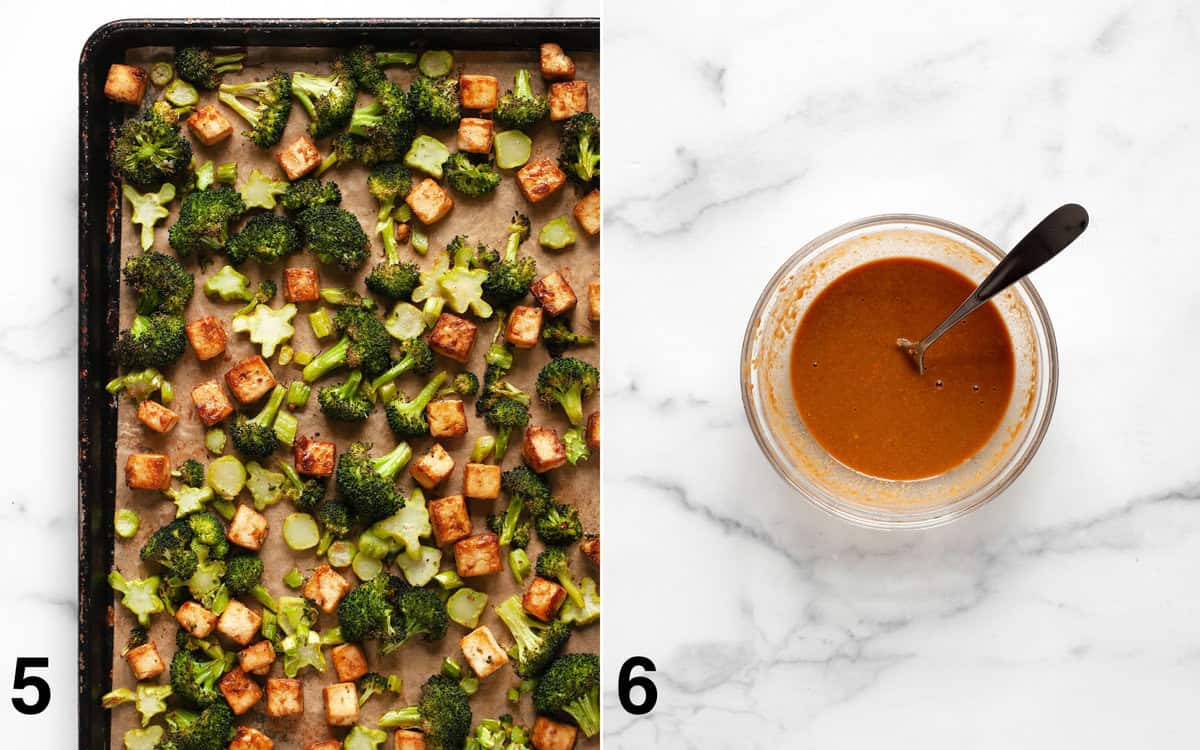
{"x":861,"y":397}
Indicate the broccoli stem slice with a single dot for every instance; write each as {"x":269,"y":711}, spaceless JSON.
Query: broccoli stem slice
{"x":401,"y":717}
{"x":396,"y":57}
{"x":389,"y":464}
{"x":267,"y":415}
{"x":521,"y":85}
{"x":330,"y":359}
{"x":264,"y":597}
{"x":229,"y":63}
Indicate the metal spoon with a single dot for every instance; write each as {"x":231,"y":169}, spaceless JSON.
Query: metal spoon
{"x":1050,"y":237}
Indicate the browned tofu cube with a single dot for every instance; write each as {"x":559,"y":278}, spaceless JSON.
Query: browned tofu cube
{"x":250,"y":379}
{"x":208,"y":125}
{"x":301,"y":284}
{"x":257,"y":659}
{"x":144,"y":661}
{"x":552,"y":735}
{"x":475,"y":135}
{"x":248,"y":528}
{"x":543,"y":598}
{"x":481,"y":481}
{"x":325,"y":588}
{"x":241,"y":692}
{"x":148,"y":471}
{"x":554,"y":293}
{"x":349,"y":662}
{"x":212,"y":405}
{"x":568,"y":98}
{"x":429,"y":201}
{"x":125,"y":83}
{"x":285,"y":697}
{"x":239,"y":623}
{"x":593,"y":431}
{"x":447,"y":418}
{"x":156,"y":416}
{"x":195,"y":619}
{"x":450,"y":519}
{"x":299,"y":158}
{"x":539,"y":179}
{"x":314,"y":458}
{"x":453,"y":337}
{"x":587,"y":213}
{"x":478,"y":92}
{"x":555,"y":63}
{"x":248,"y":738}
{"x":481,"y":651}
{"x":590,"y":547}
{"x":477,"y":555}
{"x":324,"y":745}
{"x":341,"y":704}
{"x":542,"y":449}
{"x":207,"y":337}
{"x":594,"y":301}
{"x":524,"y":326}
{"x":433,"y":467}
{"x":409,"y":739}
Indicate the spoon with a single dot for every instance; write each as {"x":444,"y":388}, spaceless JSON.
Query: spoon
{"x":1050,"y":237}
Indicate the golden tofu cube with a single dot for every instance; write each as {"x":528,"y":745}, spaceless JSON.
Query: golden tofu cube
{"x":248,"y":738}
{"x":524,"y":326}
{"x":207,"y":337}
{"x":568,"y":98}
{"x":429,"y":201}
{"x":144,"y":661}
{"x":409,"y":739}
{"x":239,"y":623}
{"x":555,"y":63}
{"x":148,"y":471}
{"x":301,"y":284}
{"x":447,"y":418}
{"x":481,"y":481}
{"x":299,"y":158}
{"x":481,"y":651}
{"x":450,"y":519}
{"x":241,"y":692}
{"x":248,"y":529}
{"x":594,"y":301}
{"x":554,"y":293}
{"x":156,"y":416}
{"x":125,"y":83}
{"x":587,"y":213}
{"x":341,"y":704}
{"x":349,"y":662}
{"x":324,"y":745}
{"x":592,"y":433}
{"x":453,"y":337}
{"x":433,"y":467}
{"x":590,"y":547}
{"x":195,"y":619}
{"x":539,"y":179}
{"x":285,"y":697}
{"x":543,"y":598}
{"x":314,"y":458}
{"x":208,"y":125}
{"x":542,"y":449}
{"x":250,"y":379}
{"x":325,"y":588}
{"x":212,"y":405}
{"x":477,"y":555}
{"x":257,"y":659}
{"x":553,"y":735}
{"x":478,"y":91}
{"x":475,"y":135}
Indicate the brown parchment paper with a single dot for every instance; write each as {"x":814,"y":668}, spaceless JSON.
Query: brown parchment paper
{"x":482,"y":220}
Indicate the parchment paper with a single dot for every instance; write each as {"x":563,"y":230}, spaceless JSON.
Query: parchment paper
{"x":482,"y":220}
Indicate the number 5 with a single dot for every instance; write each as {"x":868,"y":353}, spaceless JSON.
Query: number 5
{"x":22,"y":681}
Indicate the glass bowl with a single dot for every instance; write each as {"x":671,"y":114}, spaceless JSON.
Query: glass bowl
{"x":800,"y":459}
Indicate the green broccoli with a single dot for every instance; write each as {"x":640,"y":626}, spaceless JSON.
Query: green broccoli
{"x":150,"y":150}
{"x":273,"y":98}
{"x":405,"y":527}
{"x":579,"y":151}
{"x":407,"y":418}
{"x":334,"y":236}
{"x":462,"y":282}
{"x":260,"y":191}
{"x":336,"y":520}
{"x":203,"y":223}
{"x":344,"y":402}
{"x":364,"y":738}
{"x":148,"y":209}
{"x":394,"y":280}
{"x":370,"y":684}
{"x":589,"y":612}
{"x":365,"y":65}
{"x":305,"y":494}
{"x":575,"y":446}
{"x":203,"y":68}
{"x":520,"y":108}
{"x":300,"y":643}
{"x":207,"y":585}
{"x":558,"y":337}
{"x":559,"y":525}
{"x":171,"y":547}
{"x":138,"y":595}
{"x":552,"y":565}
{"x":536,"y":643}
{"x":421,"y":613}
{"x":267,"y":326}
{"x":149,"y":738}
{"x":308,"y":192}
{"x":365,"y":345}
{"x":209,"y":532}
{"x":504,"y":415}
{"x":522,"y":481}
{"x":266,"y":238}
{"x":386,"y":126}
{"x":389,"y":183}
{"x":243,"y":575}
{"x":140,"y":385}
{"x":160,"y":282}
{"x":366,"y":483}
{"x":435,"y":100}
{"x":473,"y":180}
{"x":156,"y":341}
{"x":368,"y":612}
{"x":571,"y":687}
{"x":150,"y":700}
{"x":328,"y":100}
{"x":568,"y":381}
{"x":191,"y":473}
{"x":211,"y":729}
{"x":194,"y":678}
{"x":464,"y":384}
{"x":556,"y":234}
{"x":255,"y":437}
{"x":189,"y":500}
{"x":415,"y":357}
{"x":443,"y":713}
{"x":509,"y":278}
{"x":343,"y":149}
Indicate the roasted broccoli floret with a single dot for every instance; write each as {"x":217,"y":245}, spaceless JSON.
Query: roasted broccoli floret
{"x":579,"y":150}
{"x":568,"y":381}
{"x":520,"y":108}
{"x":524,"y":482}
{"x":571,"y":687}
{"x":386,"y":126}
{"x":558,"y":337}
{"x":435,"y":100}
{"x":407,"y":418}
{"x":151,"y":341}
{"x":552,"y":564}
{"x":308,"y":192}
{"x":504,"y":416}
{"x":464,"y":384}
{"x":305,"y":494}
{"x":367,"y":484}
{"x":415,"y":357}
{"x":368,"y":612}
{"x":203,"y":223}
{"x":559,"y":525}
{"x":469,"y":178}
{"x":160,"y":282}
{"x":344,"y":402}
{"x":211,"y":729}
{"x":203,"y":68}
{"x":366,"y":65}
{"x":343,"y":149}
{"x":394,"y":280}
{"x":334,"y":236}
{"x":171,"y":547}
{"x":191,"y":473}
{"x":365,"y":345}
{"x":536,"y":643}
{"x":243,"y":575}
{"x":194,"y":678}
{"x":443,"y":713}
{"x":336,"y":520}
{"x":370,"y":684}
{"x":149,"y":149}
{"x":422,"y":613}
{"x":509,"y":278}
{"x":389,"y":183}
{"x":266,"y":238}
{"x":273,"y":100}
{"x":255,"y":437}
{"x":508,"y":526}
{"x":328,"y":100}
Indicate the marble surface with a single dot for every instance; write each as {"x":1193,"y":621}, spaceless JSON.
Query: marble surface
{"x":1064,"y":614}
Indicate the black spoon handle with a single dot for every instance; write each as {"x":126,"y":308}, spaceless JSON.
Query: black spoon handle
{"x":1049,"y":238}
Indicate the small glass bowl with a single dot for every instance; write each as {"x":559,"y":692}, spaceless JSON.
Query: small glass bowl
{"x":800,"y":459}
